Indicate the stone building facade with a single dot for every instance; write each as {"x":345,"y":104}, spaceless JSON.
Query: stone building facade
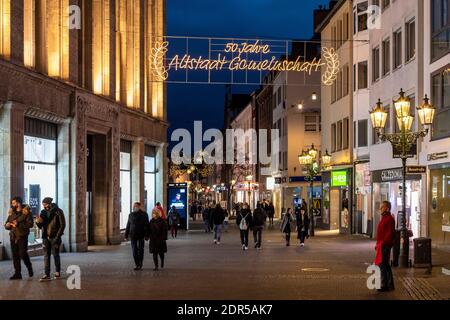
{"x":80,"y":118}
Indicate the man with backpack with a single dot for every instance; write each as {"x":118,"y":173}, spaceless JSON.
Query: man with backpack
{"x":258,"y":221}
{"x":244,"y":222}
{"x":53,"y":223}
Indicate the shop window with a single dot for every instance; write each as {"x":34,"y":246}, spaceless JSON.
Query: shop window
{"x":125,"y":182}
{"x":39,"y":168}
{"x":439,"y":213}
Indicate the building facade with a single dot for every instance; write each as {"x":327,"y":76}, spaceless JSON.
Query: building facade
{"x":337,"y":120}
{"x":435,"y":151}
{"x":81,"y":119}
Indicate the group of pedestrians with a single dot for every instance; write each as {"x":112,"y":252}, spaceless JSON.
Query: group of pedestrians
{"x":301,"y":220}
{"x":19,"y":222}
{"x":246,"y":221}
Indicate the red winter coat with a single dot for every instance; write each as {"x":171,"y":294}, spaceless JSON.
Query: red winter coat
{"x":385,"y":235}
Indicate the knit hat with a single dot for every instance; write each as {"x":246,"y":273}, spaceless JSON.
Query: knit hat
{"x":47,"y":200}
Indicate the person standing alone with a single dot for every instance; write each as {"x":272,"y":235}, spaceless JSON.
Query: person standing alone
{"x":53,"y":223}
{"x":19,"y":223}
{"x":385,"y":241}
{"x":137,"y":231}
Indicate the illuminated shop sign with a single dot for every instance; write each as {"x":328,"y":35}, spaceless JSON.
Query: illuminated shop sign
{"x":339,"y":178}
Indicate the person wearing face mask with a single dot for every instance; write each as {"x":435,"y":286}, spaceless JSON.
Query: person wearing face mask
{"x":158,"y":232}
{"x":137,"y":231}
{"x":19,"y":222}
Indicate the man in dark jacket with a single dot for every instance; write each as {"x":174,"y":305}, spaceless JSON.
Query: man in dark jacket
{"x":19,"y":222}
{"x":218,"y":217}
{"x":137,"y":231}
{"x":53,"y":223}
{"x":258,"y":221}
{"x":302,"y":221}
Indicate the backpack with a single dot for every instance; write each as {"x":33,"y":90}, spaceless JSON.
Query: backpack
{"x":243,"y":225}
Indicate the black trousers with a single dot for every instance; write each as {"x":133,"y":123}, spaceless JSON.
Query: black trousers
{"x":19,"y":248}
{"x":155,"y":259}
{"x":137,"y":245}
{"x":257,"y":236}
{"x":52,"y":247}
{"x":302,"y":235}
{"x":387,"y":279}
{"x":288,"y":237}
{"x":244,"y":237}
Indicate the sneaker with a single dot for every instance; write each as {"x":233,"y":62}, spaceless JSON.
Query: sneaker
{"x":16,"y":277}
{"x":246,"y":248}
{"x":57,"y":275}
{"x":45,"y":278}
{"x":302,"y":244}
{"x":218,"y":242}
{"x":243,"y":247}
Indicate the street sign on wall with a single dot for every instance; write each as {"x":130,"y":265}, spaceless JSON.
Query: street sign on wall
{"x":411,"y":153}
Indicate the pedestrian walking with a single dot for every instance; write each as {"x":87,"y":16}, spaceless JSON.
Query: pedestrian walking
{"x":385,"y":241}
{"x":161,"y":211}
{"x":302,"y":221}
{"x":270,"y":209}
{"x":226,"y":221}
{"x":53,"y":223}
{"x":174,"y":221}
{"x":244,"y":222}
{"x":18,"y":223}
{"x":286,"y":226}
{"x":218,"y":217}
{"x":258,"y":220}
{"x":158,"y":232}
{"x":205,"y":216}
{"x":137,"y":232}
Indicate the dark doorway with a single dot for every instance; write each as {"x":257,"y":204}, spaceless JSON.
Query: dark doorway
{"x":97,"y":190}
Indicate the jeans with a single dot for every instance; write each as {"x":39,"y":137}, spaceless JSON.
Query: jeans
{"x":52,"y":247}
{"x":217,"y":232}
{"x":19,"y":248}
{"x":207,"y":227}
{"x":387,"y":279}
{"x":257,"y":236}
{"x":244,"y":237}
{"x":137,"y":245}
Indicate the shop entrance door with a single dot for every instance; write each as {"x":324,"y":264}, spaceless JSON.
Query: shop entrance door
{"x":97,"y":190}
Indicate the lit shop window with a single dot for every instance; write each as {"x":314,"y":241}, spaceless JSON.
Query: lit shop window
{"x":125,"y":182}
{"x":149,"y":178}
{"x":39,"y":176}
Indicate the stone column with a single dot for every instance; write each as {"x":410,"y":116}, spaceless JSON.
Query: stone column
{"x":17,"y":28}
{"x":114,"y":235}
{"x":161,"y":180}
{"x":11,"y":160}
{"x":77,"y":219}
{"x":137,"y":171}
{"x":63,"y":176}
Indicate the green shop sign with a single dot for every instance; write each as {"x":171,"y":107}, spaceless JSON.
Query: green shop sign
{"x":339,"y":178}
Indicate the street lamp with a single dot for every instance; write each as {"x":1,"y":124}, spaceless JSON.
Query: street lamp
{"x":402,"y":143}
{"x":311,"y":163}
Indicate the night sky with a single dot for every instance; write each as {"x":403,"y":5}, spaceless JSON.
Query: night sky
{"x":269,"y":19}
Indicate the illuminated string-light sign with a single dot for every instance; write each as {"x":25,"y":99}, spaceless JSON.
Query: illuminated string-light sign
{"x":235,"y":57}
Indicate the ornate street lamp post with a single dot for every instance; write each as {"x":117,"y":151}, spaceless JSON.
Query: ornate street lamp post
{"x":403,"y":142}
{"x":312,"y":165}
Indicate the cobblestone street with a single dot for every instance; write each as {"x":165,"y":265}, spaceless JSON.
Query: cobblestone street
{"x":329,"y":267}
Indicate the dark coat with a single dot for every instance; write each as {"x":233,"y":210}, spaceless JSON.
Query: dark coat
{"x":302,"y":221}
{"x":174,"y":218}
{"x":218,"y":216}
{"x":24,"y":220}
{"x":244,"y":213}
{"x":286,"y":223}
{"x":53,"y":223}
{"x":137,"y":226}
{"x":270,"y":209}
{"x":259,"y":217}
{"x":158,"y":236}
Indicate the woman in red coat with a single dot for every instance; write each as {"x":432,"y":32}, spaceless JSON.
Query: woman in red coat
{"x":385,"y":241}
